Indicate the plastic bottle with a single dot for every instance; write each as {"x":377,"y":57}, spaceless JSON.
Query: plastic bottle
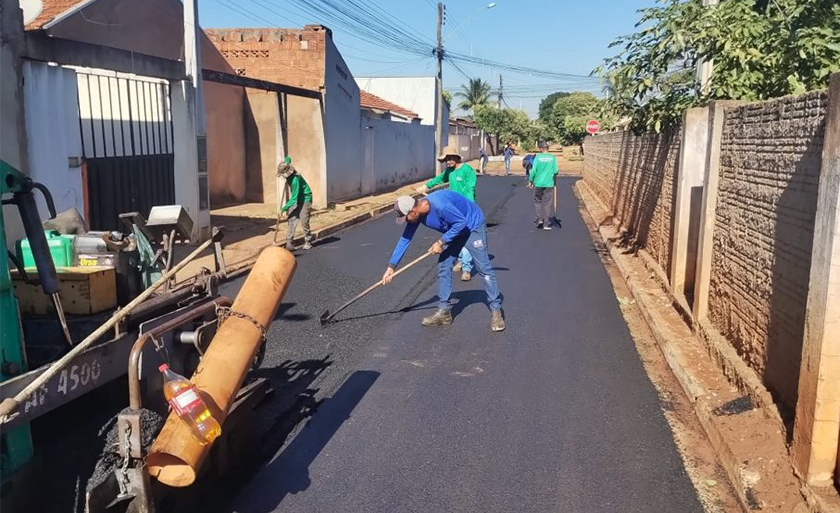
{"x":189,"y":406}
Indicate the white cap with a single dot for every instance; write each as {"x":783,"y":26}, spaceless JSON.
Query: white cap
{"x":402,"y":207}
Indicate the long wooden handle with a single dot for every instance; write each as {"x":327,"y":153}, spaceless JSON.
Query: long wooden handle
{"x":377,"y":284}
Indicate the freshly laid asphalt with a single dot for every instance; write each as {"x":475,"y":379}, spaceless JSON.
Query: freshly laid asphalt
{"x":374,"y":413}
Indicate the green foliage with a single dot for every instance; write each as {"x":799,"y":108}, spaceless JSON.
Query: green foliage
{"x":570,"y":113}
{"x":547,"y":104}
{"x":447,"y":99}
{"x":760,"y":50}
{"x":474,"y":94}
{"x":507,"y":124}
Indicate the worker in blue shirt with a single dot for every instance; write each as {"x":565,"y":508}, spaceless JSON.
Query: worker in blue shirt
{"x":508,"y":155}
{"x":462,"y":224}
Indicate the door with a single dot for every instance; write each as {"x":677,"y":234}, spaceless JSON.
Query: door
{"x":127,"y":141}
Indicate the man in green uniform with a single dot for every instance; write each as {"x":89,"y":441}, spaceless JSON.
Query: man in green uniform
{"x":461,"y":179}
{"x":299,"y":205}
{"x":541,"y":180}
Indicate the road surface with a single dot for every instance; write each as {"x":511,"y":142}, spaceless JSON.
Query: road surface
{"x":375,"y":413}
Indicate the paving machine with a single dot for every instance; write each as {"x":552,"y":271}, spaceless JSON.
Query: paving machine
{"x":108,"y":314}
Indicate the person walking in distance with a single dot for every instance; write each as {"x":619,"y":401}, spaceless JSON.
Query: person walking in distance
{"x":462,"y":224}
{"x":461,"y":179}
{"x":299,"y":205}
{"x":541,"y":180}
{"x":483,"y":159}
{"x":508,"y":155}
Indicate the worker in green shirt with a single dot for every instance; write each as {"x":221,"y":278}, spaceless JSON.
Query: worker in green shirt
{"x":461,"y":179}
{"x":541,"y":180}
{"x":299,"y":205}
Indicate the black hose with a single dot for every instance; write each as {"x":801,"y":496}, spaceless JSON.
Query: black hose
{"x":21,"y":269}
{"x":47,"y":197}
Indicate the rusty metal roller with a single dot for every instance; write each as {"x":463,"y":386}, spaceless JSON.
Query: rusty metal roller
{"x":176,"y":456}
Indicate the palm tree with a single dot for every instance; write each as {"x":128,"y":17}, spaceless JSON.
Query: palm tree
{"x":474,"y":94}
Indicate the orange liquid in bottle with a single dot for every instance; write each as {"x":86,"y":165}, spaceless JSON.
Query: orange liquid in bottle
{"x":189,"y":406}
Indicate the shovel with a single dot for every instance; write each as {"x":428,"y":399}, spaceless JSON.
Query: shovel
{"x":326,"y":316}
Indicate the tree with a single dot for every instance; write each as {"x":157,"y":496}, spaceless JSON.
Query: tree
{"x":474,"y":94}
{"x":506,"y":124}
{"x":570,"y":113}
{"x":761,"y":49}
{"x":447,"y":99}
{"x":547,"y":103}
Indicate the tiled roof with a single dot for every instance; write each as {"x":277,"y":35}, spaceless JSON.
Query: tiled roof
{"x":371,"y":101}
{"x":51,"y":9}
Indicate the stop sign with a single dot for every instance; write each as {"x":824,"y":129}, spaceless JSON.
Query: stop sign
{"x":592,"y":126}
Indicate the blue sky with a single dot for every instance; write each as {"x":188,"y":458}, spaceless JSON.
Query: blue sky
{"x":560,"y":36}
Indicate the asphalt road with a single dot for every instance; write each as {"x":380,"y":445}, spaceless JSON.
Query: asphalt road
{"x":375,"y":413}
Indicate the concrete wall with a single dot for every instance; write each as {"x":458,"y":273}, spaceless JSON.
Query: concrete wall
{"x":766,"y":178}
{"x":13,"y":148}
{"x":467,"y":144}
{"x":52,"y":126}
{"x":155,"y":27}
{"x":396,"y":153}
{"x":342,"y":121}
{"x":416,"y":94}
{"x":306,"y":144}
{"x":634,"y":176}
{"x":767,"y":196}
{"x":263,"y":129}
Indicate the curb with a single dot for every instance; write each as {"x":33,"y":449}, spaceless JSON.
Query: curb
{"x":708,"y":390}
{"x":243,"y":266}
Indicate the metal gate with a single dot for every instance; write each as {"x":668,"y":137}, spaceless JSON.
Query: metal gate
{"x":127,"y":141}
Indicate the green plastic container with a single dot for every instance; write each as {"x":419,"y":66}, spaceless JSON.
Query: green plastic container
{"x":61,"y":249}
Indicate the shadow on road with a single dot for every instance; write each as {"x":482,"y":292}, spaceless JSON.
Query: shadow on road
{"x":289,"y":472}
{"x":256,"y":439}
{"x":283,"y":313}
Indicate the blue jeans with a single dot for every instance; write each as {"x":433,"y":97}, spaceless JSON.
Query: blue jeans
{"x":466,"y":260}
{"x":476,"y":244}
{"x":507,"y":166}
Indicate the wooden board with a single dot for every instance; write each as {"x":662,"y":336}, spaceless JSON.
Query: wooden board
{"x":84,"y":290}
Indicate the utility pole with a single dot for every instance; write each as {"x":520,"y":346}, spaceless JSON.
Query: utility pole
{"x":704,"y":68}
{"x":501,"y":89}
{"x":192,"y":62}
{"x":439,"y":84}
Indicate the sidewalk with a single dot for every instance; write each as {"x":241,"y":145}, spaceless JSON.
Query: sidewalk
{"x":249,"y":228}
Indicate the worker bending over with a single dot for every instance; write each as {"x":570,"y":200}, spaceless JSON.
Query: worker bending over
{"x":299,"y":205}
{"x":462,"y":224}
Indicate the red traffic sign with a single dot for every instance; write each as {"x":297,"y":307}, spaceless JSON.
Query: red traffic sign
{"x":593,"y":126}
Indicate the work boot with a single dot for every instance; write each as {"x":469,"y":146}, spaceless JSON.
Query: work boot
{"x":457,"y":267}
{"x":307,"y":245}
{"x":439,"y":318}
{"x":466,"y":276}
{"x":497,"y":322}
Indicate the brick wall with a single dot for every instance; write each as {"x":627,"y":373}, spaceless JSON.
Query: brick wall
{"x":769,"y":177}
{"x":285,"y":56}
{"x":634,"y":177}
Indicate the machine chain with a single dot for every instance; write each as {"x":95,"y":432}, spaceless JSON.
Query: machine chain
{"x":223,"y":312}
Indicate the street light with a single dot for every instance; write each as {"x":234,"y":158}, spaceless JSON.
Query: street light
{"x":471,"y":16}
